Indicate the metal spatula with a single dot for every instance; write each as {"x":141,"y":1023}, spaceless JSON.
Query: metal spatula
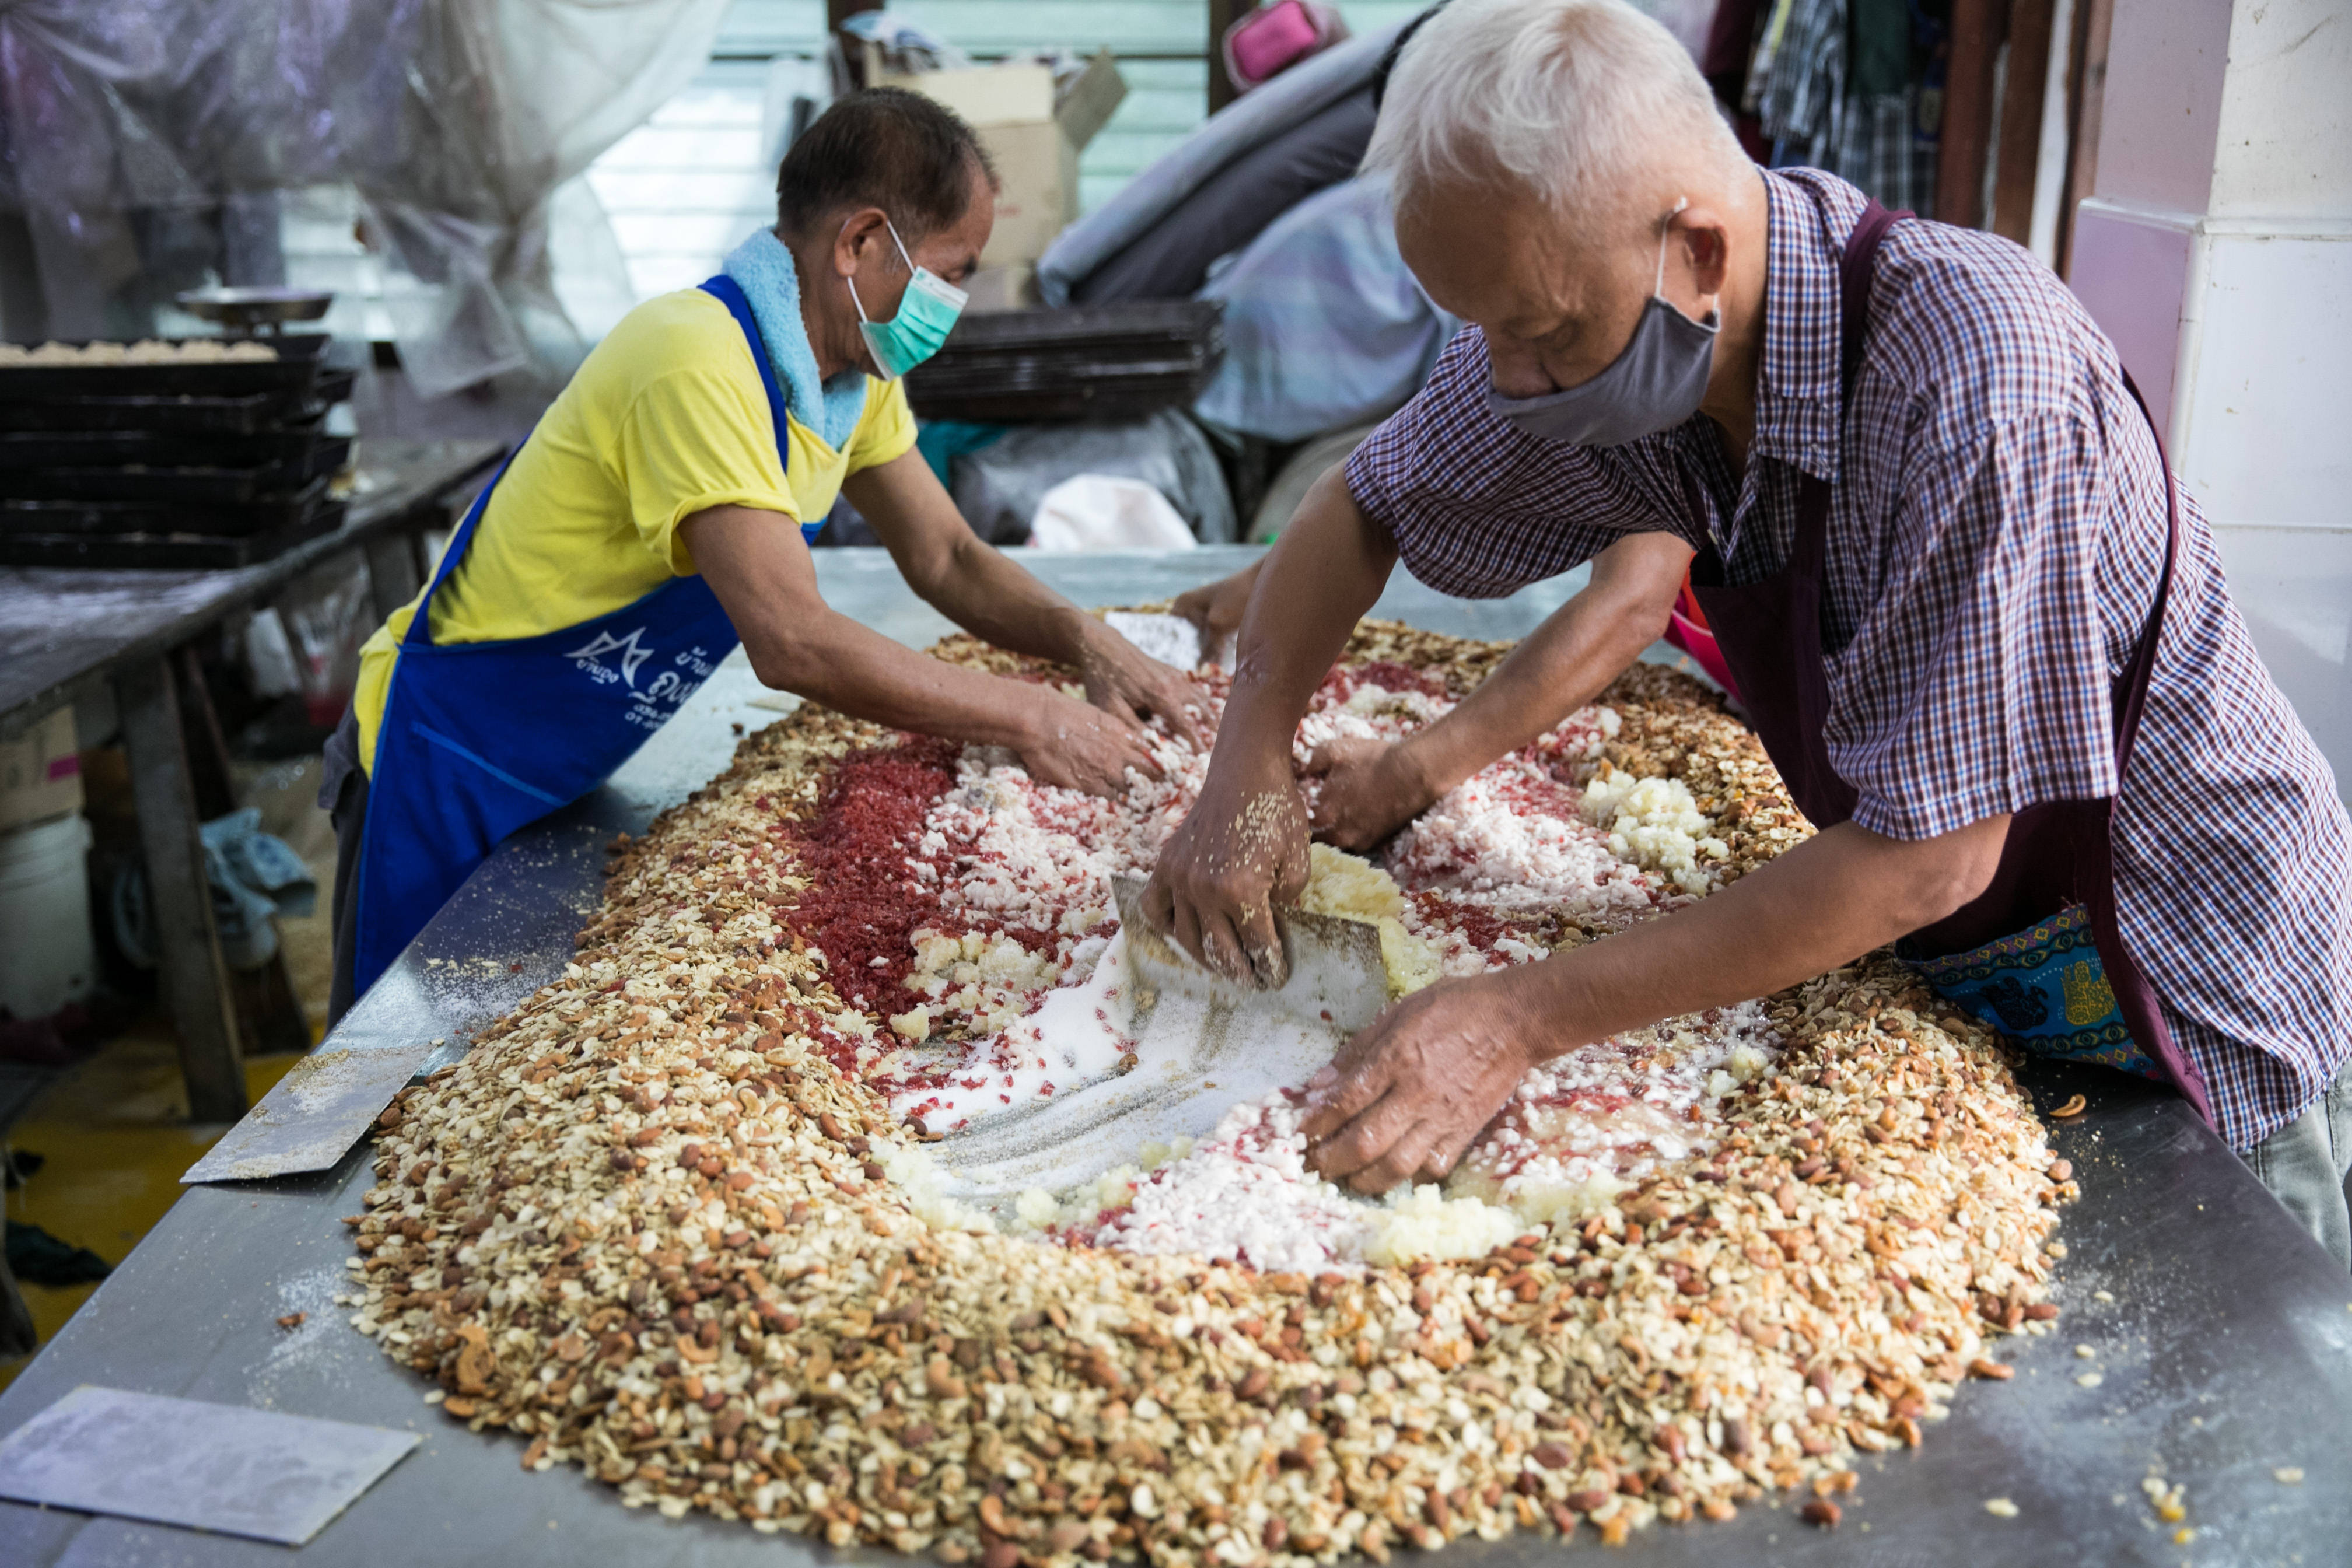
{"x":1202,"y":1044}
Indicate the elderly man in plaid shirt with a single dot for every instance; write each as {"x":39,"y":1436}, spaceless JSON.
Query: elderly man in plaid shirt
{"x":1984,"y":636}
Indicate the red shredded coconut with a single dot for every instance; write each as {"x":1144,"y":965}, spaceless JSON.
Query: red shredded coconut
{"x":861,"y":904}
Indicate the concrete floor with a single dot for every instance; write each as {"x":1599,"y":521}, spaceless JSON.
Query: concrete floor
{"x":114,"y":1132}
{"x":114,"y":1137}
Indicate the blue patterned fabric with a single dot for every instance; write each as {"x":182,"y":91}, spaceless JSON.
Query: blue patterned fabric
{"x":2043,"y":988}
{"x":1325,"y":328}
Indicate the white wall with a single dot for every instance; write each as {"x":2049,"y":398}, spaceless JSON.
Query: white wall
{"x":2217,"y":252}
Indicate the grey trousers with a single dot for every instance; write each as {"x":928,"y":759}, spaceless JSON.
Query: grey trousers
{"x":2306,"y":1165}
{"x":343,"y":796}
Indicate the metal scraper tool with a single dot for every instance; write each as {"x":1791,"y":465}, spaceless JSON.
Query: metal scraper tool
{"x":1202,"y":1044}
{"x":310,"y":1121}
{"x":1337,"y":974}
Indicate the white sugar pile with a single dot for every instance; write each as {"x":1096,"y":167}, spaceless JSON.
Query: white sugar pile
{"x":1023,"y":973}
{"x":1246,"y":1194}
{"x":1243,"y":1192}
{"x":1591,"y":1122}
{"x":1170,"y":639}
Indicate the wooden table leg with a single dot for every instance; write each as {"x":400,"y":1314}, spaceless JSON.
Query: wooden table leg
{"x":392,"y":572}
{"x":269,"y":1018}
{"x":179,"y":898}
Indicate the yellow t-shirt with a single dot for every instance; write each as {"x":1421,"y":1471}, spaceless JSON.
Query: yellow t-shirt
{"x":666,"y":417}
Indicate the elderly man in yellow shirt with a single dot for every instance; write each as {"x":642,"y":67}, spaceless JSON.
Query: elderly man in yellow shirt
{"x":660,"y":512}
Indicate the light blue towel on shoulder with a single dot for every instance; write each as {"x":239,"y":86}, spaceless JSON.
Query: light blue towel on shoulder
{"x":763,"y":267}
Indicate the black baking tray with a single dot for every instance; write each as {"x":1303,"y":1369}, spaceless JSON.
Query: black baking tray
{"x":301,"y":454}
{"x":183,"y":486}
{"x":1086,"y":361}
{"x":292,"y":373}
{"x":179,"y":551}
{"x":99,"y":518}
{"x":246,"y":414}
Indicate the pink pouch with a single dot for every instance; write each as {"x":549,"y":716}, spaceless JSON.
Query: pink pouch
{"x":1273,"y":38}
{"x":1699,"y":643}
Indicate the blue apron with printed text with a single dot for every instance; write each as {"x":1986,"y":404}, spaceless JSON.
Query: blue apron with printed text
{"x":480,"y":739}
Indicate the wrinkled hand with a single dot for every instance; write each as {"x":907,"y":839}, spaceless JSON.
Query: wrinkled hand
{"x":1370,"y":788}
{"x":1076,"y":746}
{"x":1124,"y":680}
{"x":1403,"y":1098}
{"x":1241,"y":851}
{"x":1216,"y":608}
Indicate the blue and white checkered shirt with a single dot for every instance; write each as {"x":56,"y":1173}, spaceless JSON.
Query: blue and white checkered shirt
{"x":1995,"y":538}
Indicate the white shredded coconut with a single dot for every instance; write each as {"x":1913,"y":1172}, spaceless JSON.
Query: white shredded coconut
{"x":1656,"y":823}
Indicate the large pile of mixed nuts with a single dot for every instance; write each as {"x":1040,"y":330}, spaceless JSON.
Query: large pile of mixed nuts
{"x":647,"y":1224}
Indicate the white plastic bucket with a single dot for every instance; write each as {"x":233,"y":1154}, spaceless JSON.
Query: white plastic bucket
{"x":48,"y":956}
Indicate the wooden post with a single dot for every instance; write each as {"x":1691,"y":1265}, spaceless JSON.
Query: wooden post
{"x":269,"y":1016}
{"x":2023,"y":94}
{"x":212,"y":784}
{"x":851,"y":57}
{"x":2086,"y":87}
{"x":1222,"y":14}
{"x":1977,"y":29}
{"x":179,"y":897}
{"x":392,"y":569}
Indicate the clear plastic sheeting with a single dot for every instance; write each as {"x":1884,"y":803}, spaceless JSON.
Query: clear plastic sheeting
{"x":137,"y":135}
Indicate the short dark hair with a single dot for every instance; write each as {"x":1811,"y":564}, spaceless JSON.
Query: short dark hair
{"x":883,"y":147}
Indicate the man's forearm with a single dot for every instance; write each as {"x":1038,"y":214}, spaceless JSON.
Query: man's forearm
{"x":951,"y":569}
{"x":1322,"y":575}
{"x":832,"y":659}
{"x":765,"y":580}
{"x":996,"y":600}
{"x":1562,"y":666}
{"x":1825,"y":903}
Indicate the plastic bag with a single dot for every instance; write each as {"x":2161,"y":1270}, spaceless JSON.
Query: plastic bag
{"x":999,"y":488}
{"x":328,"y":613}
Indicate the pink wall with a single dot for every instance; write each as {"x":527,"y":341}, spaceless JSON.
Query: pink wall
{"x":2162,"y":109}
{"x":2132,"y":278}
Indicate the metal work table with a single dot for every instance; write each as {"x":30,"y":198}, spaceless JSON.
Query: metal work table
{"x":2226,"y":1351}
{"x":63,"y":629}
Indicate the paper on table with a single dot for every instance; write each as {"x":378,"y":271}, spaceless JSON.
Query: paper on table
{"x":220,"y":1467}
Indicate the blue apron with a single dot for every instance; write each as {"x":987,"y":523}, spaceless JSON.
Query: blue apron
{"x":479,"y":738}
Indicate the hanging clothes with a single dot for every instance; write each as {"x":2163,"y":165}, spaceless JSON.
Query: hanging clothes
{"x":1855,"y":87}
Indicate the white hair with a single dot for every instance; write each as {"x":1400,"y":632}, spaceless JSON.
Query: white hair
{"x":1572,"y":100}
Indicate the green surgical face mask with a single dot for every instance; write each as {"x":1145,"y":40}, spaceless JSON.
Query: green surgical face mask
{"x":926,"y":313}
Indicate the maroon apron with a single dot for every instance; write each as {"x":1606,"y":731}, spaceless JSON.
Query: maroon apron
{"x":2057,"y":855}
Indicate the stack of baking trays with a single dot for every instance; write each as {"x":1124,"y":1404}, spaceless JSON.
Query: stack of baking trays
{"x":1086,"y":361}
{"x":187,"y":454}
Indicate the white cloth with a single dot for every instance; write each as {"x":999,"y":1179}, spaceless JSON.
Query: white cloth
{"x":1107,"y":512}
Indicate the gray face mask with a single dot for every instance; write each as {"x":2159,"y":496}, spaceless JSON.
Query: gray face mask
{"x":1654,"y":386}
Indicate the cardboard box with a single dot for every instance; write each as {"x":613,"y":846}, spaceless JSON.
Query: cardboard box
{"x":40,"y":773}
{"x":1033,"y":135}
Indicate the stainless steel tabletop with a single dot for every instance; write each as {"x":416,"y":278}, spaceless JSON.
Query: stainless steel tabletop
{"x":2226,"y":1351}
